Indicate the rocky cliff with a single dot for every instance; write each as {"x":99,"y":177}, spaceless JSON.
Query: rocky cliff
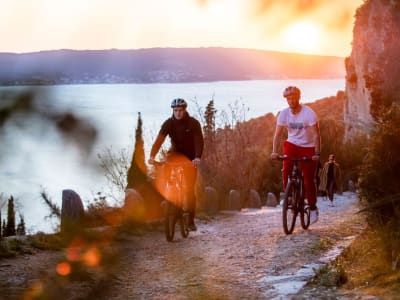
{"x":373,"y":68}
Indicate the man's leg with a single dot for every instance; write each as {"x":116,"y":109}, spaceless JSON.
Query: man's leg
{"x":190,"y":177}
{"x":309,"y":183}
{"x":331,"y":185}
{"x":290,"y":151}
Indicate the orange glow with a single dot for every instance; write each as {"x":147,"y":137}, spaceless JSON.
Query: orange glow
{"x":34,"y":291}
{"x":136,"y":24}
{"x":73,"y":253}
{"x":302,"y":37}
{"x":63,"y":269}
{"x":164,"y":185}
{"x":92,"y":257}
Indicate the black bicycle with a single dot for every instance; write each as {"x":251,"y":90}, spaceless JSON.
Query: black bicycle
{"x":294,"y":201}
{"x":175,"y":203}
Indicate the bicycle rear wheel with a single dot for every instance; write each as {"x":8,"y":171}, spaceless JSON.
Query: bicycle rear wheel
{"x":289,"y":210}
{"x":170,"y":221}
{"x":184,"y":224}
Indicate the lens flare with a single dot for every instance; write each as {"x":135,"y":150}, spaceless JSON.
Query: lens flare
{"x":92,"y":257}
{"x":63,"y":269}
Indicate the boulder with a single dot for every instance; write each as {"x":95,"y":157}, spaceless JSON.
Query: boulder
{"x":271,"y":200}
{"x":351,"y":186}
{"x":254,"y":199}
{"x":234,"y":200}
{"x":72,"y":212}
{"x":210,"y":200}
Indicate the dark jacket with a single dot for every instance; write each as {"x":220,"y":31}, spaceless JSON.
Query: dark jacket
{"x":186,"y":136}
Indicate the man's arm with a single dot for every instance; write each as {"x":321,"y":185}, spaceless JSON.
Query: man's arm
{"x":317,"y":137}
{"x":198,"y":140}
{"x":156,"y":146}
{"x":276,"y":141}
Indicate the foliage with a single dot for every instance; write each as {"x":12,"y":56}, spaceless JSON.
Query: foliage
{"x":45,"y":241}
{"x":21,"y":226}
{"x":55,"y":210}
{"x":380,"y":172}
{"x":10,"y":227}
{"x":115,"y":168}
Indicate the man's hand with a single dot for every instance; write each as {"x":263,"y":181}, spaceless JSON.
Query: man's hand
{"x":196,"y":162}
{"x":150,"y":161}
{"x":315,"y":157}
{"x":274,"y":155}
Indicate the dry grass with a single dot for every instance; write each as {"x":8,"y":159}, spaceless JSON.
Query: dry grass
{"x":368,"y":269}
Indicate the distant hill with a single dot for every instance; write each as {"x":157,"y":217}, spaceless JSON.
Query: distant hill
{"x":162,"y":65}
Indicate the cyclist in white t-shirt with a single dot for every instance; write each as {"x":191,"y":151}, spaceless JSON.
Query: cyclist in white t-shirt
{"x":303,"y":140}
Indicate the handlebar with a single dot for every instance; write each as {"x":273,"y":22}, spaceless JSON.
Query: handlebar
{"x":284,"y":157}
{"x":171,"y":164}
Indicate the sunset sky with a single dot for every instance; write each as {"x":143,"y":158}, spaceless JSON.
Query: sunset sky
{"x":303,"y":26}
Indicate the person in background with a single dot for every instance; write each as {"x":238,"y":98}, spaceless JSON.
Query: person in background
{"x":303,"y":140}
{"x":331,"y":178}
{"x":186,"y":140}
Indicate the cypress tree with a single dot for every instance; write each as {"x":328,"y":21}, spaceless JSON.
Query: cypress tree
{"x":137,"y":173}
{"x":10,"y":228}
{"x":209,"y":127}
{"x":4,"y":228}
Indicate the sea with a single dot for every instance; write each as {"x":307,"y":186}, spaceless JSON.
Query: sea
{"x":34,"y":157}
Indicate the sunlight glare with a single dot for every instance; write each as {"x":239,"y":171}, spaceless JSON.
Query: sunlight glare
{"x":302,"y":37}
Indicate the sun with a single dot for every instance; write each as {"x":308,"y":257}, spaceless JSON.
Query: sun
{"x":302,"y":37}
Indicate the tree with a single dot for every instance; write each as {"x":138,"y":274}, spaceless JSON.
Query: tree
{"x":209,"y":127}
{"x":2,"y":202}
{"x":10,"y":228}
{"x":4,"y":228}
{"x":21,"y":226}
{"x":137,"y":172}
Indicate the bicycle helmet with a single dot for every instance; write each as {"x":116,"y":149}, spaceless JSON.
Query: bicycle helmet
{"x":291,"y":90}
{"x":178,"y":102}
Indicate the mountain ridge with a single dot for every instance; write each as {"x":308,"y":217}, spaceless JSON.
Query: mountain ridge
{"x":169,"y":65}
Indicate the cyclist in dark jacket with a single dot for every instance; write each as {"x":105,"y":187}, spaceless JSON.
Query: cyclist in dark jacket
{"x":186,"y":139}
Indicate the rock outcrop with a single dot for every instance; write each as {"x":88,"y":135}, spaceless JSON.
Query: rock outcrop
{"x":373,"y":66}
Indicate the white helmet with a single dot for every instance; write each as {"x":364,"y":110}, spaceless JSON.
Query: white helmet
{"x":178,"y":102}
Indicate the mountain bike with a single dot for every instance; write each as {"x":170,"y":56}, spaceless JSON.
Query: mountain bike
{"x":175,"y":203}
{"x":294,"y":201}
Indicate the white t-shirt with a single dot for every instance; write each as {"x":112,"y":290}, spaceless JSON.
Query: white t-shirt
{"x":299,"y":125}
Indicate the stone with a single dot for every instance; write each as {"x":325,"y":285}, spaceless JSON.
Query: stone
{"x":234,"y":200}
{"x":210,"y":201}
{"x":351,"y":186}
{"x":254,"y":199}
{"x":72,"y":212}
{"x":271,"y":200}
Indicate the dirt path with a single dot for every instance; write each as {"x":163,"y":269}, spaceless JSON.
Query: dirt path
{"x":236,"y":256}
{"x":242,"y":255}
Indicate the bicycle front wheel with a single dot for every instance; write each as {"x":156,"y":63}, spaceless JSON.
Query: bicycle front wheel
{"x":289,"y":210}
{"x":305,"y":216}
{"x":170,"y":221}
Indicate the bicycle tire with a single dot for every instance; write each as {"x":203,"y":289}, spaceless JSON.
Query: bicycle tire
{"x":305,"y":217}
{"x":169,"y":222}
{"x":304,"y":208}
{"x":289,"y":210}
{"x":184,"y":224}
